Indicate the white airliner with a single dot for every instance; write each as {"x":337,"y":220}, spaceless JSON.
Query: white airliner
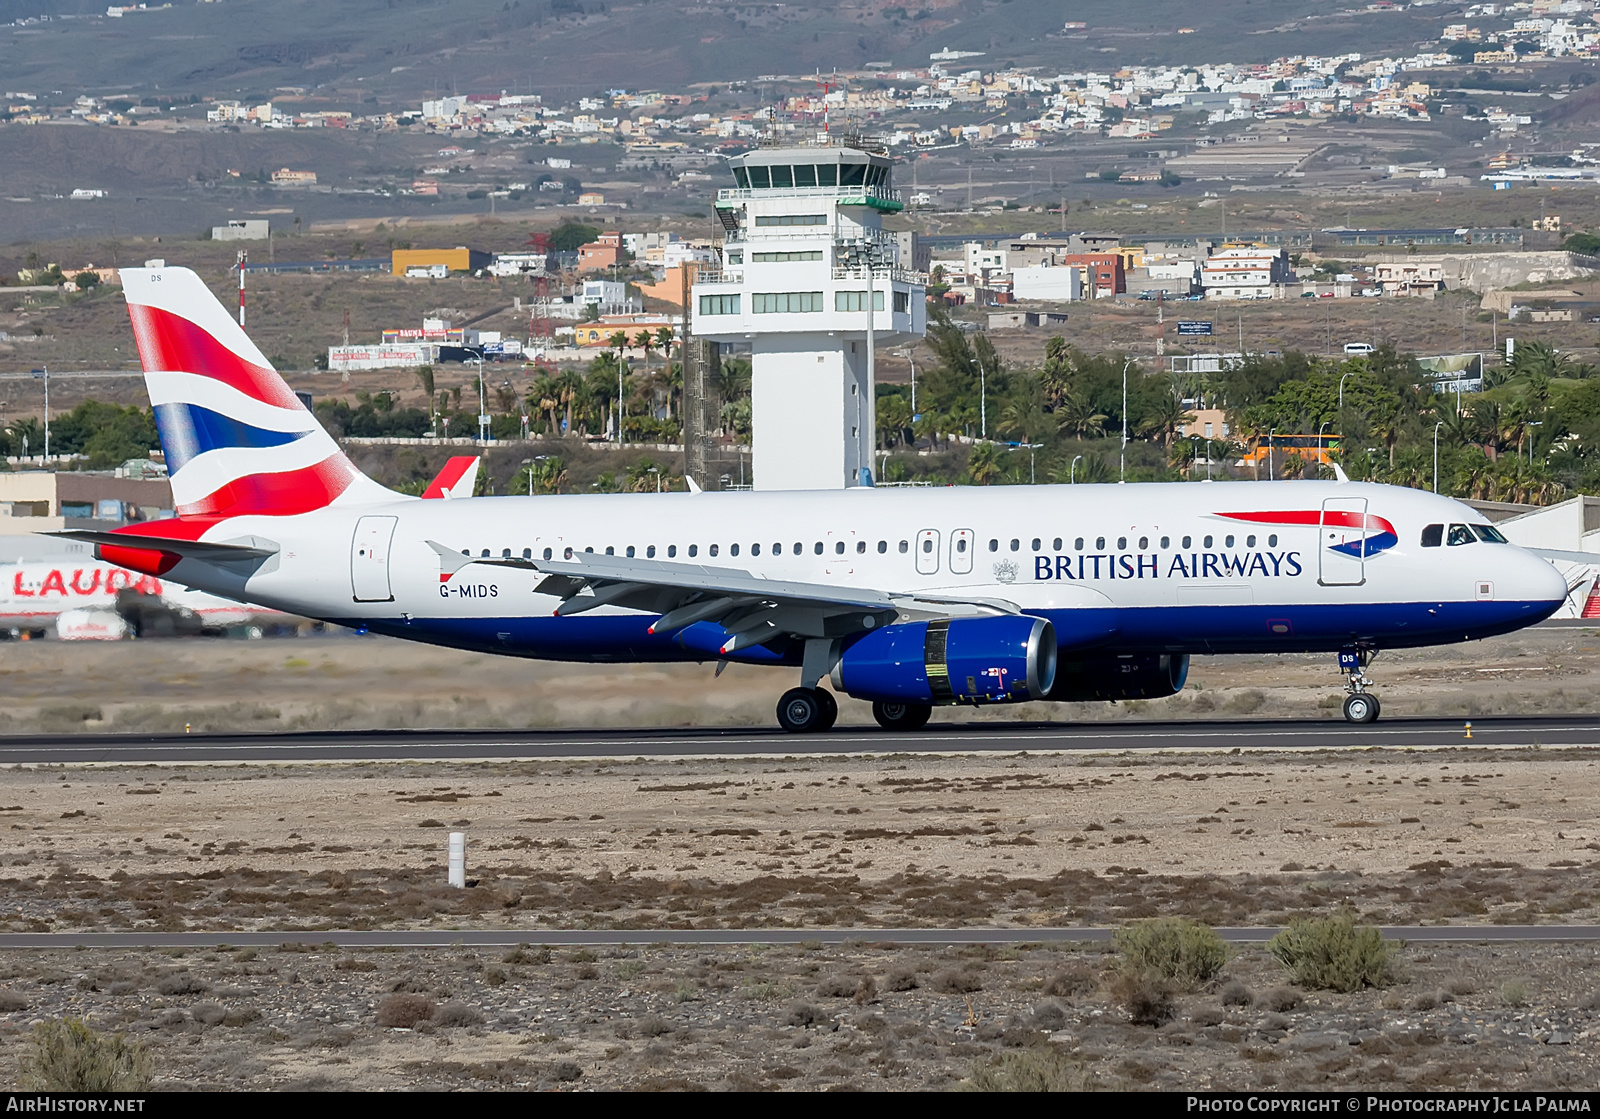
{"x":34,"y":596}
{"x":908,"y":598}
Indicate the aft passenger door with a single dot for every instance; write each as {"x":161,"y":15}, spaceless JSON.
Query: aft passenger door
{"x":1342,"y":542}
{"x":369,"y":559}
{"x":928,"y":552}
{"x":961,"y":542}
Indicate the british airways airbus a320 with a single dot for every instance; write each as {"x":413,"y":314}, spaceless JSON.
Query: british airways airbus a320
{"x":906,"y":598}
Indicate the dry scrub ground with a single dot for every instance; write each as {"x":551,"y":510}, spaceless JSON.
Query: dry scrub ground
{"x":335,"y":682}
{"x":1399,"y":837}
{"x":1439,"y":836}
{"x":857,"y":1017}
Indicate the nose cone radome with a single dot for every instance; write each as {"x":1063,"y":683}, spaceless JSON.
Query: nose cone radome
{"x":1541,"y":582}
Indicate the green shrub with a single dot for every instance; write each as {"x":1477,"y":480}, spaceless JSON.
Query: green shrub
{"x":1184,"y":953}
{"x":1039,"y":1069}
{"x":68,"y":1056}
{"x":1333,"y":954}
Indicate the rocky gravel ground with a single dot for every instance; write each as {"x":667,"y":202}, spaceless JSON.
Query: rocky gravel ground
{"x":860,"y":1016}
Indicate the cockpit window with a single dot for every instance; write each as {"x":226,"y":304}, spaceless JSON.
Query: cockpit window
{"x":1461,"y":534}
{"x":1489,"y":534}
{"x":1433,"y":536}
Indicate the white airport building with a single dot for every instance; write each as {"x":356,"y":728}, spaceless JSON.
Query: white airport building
{"x":803,"y":257}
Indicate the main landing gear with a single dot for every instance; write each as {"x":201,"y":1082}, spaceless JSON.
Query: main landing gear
{"x":1360,"y":705}
{"x":804,"y":710}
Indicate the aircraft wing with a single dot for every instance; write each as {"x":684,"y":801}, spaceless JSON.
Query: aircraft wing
{"x":751,"y":608}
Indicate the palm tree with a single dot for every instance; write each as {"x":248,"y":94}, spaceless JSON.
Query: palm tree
{"x":1076,"y":416}
{"x":547,"y":476}
{"x":543,"y":400}
{"x":984,"y":465}
{"x":1025,"y":412}
{"x":425,"y":379}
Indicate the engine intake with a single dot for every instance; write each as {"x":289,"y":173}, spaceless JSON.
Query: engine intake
{"x":1122,"y":677}
{"x":960,"y":660}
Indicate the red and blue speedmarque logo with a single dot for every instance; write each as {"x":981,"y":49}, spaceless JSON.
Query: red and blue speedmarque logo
{"x":1365,"y":533}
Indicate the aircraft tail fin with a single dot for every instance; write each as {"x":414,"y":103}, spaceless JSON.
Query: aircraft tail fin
{"x":237,"y":439}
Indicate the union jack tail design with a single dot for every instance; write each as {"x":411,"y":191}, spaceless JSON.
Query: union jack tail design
{"x":237,"y":439}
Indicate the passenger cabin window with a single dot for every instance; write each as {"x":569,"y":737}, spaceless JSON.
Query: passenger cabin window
{"x":672,"y":550}
{"x":1015,"y":544}
{"x":547,"y":554}
{"x":630,"y":551}
{"x":1077,"y":545}
{"x":1057,"y":545}
{"x":1432,"y":536}
{"x":1166,"y":542}
{"x":610,"y":551}
{"x":838,"y":547}
{"x":1037,"y":543}
{"x":713,"y":549}
{"x":861,"y":547}
{"x":567,"y":554}
{"x":1228,"y":542}
{"x":1122,"y":543}
{"x":1144,"y":542}
{"x":1207,"y":542}
{"x":1272,"y":541}
{"x":1188,"y":541}
{"x":994,"y":545}
{"x":693,"y":549}
{"x":1099,"y":543}
{"x":527,"y":553}
{"x":904,"y":545}
{"x":927,"y":546}
{"x":1249,"y":541}
{"x":1460,"y":534}
{"x":650,"y":552}
{"x":818,"y":548}
{"x":883,"y":546}
{"x":798,"y":547}
{"x":755,"y":550}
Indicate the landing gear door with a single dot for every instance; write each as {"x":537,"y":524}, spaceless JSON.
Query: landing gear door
{"x":369,"y":559}
{"x":928,"y":552}
{"x":961,"y":541}
{"x":1342,"y":542}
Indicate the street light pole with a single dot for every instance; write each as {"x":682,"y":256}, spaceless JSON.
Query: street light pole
{"x":483,"y":406}
{"x":983,"y":402}
{"x":1072,"y":474}
{"x":1270,"y":435}
{"x":1122,"y":461}
{"x":1341,"y":394}
{"x":1322,"y":451}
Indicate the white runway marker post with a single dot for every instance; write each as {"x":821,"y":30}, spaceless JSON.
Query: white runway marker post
{"x":458,"y":859}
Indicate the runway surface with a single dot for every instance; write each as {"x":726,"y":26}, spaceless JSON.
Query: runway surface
{"x":509,"y":745}
{"x":452,"y":938}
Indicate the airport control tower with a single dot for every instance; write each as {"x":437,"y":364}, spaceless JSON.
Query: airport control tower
{"x":805,"y":254}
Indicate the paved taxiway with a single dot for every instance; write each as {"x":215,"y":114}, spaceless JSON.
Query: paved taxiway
{"x":517,"y":745}
{"x":507,"y":938}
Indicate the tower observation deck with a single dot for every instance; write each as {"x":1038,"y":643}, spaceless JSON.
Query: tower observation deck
{"x":804,"y":257}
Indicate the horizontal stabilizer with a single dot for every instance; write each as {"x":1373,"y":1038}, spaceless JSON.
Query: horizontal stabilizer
{"x":214,"y":552}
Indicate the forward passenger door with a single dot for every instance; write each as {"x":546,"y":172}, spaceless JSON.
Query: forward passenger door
{"x":1342,"y":542}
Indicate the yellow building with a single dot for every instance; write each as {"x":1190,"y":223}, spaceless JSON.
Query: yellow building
{"x":458,"y":259}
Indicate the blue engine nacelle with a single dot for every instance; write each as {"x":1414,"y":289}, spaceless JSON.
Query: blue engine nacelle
{"x":960,"y":660}
{"x":1151,"y":676}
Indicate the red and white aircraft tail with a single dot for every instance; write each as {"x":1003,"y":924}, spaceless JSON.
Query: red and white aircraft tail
{"x":237,"y":439}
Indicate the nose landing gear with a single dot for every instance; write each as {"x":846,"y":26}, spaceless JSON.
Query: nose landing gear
{"x":1360,"y":705}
